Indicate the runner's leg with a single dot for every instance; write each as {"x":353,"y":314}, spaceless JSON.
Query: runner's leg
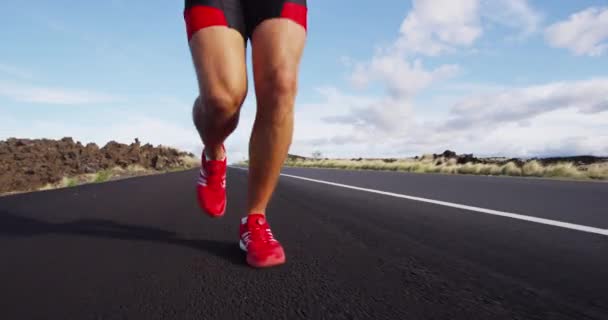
{"x":277,"y":47}
{"x":216,"y":33}
{"x":218,"y":54}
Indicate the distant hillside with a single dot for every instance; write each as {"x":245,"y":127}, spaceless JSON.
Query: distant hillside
{"x":293,"y":157}
{"x":470,"y":158}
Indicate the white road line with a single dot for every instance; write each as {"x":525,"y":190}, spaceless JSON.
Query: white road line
{"x":550,"y":222}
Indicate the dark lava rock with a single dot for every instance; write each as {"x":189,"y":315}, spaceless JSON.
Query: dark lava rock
{"x":28,"y":164}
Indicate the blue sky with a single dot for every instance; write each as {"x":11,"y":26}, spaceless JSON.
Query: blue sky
{"x":491,"y":77}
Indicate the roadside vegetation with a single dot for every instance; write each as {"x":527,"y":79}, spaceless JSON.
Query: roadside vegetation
{"x":116,"y":173}
{"x":534,"y":168}
{"x":454,"y":164}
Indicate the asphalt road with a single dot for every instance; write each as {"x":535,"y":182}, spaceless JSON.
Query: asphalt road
{"x":140,"y":249}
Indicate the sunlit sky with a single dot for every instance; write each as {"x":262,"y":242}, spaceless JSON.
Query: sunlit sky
{"x":490,"y":77}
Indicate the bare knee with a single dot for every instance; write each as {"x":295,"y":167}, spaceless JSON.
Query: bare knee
{"x":276,"y":96}
{"x":221,"y":102}
{"x":279,"y":83}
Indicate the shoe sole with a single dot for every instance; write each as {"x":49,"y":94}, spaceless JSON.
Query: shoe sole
{"x":269,"y":262}
{"x":212,"y":215}
{"x":215,"y":216}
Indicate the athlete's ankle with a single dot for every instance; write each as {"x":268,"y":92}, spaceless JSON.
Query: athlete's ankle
{"x":215,"y":152}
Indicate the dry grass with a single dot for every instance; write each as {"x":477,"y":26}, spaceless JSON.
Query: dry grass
{"x":533,"y":169}
{"x":117,"y":173}
{"x":597,"y":171}
{"x":103,"y":176}
{"x":426,"y":164}
{"x":70,"y":182}
{"x":190,"y":162}
{"x":567,"y":170}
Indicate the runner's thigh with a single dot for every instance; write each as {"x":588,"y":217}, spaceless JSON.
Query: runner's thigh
{"x":278,"y":35}
{"x":216,"y":34}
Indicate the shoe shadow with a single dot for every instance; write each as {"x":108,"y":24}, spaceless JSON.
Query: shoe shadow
{"x":12,"y":225}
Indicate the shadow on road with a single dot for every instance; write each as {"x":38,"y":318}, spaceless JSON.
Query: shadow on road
{"x":17,"y":225}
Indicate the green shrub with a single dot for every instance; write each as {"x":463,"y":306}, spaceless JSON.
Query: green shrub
{"x":103,"y":176}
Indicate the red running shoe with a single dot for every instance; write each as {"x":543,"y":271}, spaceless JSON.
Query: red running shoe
{"x":263,"y":250}
{"x":211,"y":186}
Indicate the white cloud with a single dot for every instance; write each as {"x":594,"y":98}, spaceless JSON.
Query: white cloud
{"x":430,"y":28}
{"x":516,"y":14}
{"x":556,"y":118}
{"x":523,"y":103}
{"x":401,"y":78}
{"x":433,"y":27}
{"x":385,"y":116}
{"x":564,"y":131}
{"x":488,"y":120}
{"x":49,"y":95}
{"x":583,"y":33}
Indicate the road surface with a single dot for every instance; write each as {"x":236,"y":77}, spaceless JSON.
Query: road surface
{"x":359,"y":245}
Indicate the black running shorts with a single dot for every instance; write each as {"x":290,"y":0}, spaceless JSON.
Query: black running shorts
{"x":242,"y":15}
